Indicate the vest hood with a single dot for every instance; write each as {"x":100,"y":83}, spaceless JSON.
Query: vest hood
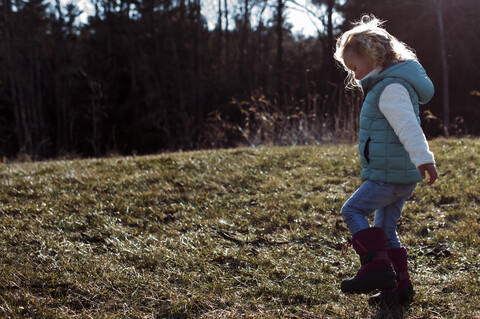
{"x":410,"y":71}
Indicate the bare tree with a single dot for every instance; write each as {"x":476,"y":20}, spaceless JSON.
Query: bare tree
{"x":443,"y":56}
{"x":244,"y":78}
{"x":23,"y":51}
{"x":279,"y":27}
{"x":219,"y":31}
{"x":63,"y":28}
{"x":227,"y":39}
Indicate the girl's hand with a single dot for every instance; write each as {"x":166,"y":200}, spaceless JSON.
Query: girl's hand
{"x":432,"y":172}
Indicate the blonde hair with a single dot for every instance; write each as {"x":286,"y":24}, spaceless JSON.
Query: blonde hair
{"x":369,"y":38}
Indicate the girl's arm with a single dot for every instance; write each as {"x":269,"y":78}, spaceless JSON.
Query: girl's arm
{"x":396,"y":106}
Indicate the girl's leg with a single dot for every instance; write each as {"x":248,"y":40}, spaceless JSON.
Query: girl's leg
{"x":388,"y":216}
{"x":372,"y":195}
{"x":369,"y":242}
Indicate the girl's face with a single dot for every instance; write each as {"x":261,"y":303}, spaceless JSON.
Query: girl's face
{"x":359,"y":64}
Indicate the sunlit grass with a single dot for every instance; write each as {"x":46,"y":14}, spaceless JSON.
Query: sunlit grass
{"x":253,"y":232}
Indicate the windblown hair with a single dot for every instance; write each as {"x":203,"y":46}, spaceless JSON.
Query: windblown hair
{"x":369,"y":38}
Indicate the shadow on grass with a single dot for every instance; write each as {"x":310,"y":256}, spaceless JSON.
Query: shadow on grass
{"x":391,"y":311}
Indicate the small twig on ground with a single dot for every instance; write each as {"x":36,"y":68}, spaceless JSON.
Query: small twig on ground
{"x":256,"y":242}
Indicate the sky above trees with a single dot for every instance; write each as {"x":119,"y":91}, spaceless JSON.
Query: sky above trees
{"x":301,"y":14}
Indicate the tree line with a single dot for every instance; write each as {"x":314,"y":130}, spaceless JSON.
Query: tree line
{"x":144,"y":76}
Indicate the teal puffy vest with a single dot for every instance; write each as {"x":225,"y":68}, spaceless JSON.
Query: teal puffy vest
{"x":383,"y":156}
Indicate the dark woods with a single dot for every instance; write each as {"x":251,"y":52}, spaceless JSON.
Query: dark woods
{"x":144,"y":76}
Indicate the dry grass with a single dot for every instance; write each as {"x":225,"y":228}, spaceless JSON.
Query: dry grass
{"x":261,"y":122}
{"x":242,"y":233}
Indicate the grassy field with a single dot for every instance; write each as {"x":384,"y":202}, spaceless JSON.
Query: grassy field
{"x":241,"y":233}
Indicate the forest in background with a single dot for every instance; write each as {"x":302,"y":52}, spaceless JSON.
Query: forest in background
{"x":146,"y":76}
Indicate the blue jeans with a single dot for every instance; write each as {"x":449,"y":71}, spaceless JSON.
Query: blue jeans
{"x":386,"y":200}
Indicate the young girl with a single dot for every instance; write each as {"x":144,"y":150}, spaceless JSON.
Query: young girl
{"x":393,"y":150}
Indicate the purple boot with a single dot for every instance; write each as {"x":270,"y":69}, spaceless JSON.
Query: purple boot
{"x":376,"y":271}
{"x":404,"y":292}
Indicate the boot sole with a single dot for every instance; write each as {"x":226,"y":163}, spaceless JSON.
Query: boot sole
{"x":381,"y":278}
